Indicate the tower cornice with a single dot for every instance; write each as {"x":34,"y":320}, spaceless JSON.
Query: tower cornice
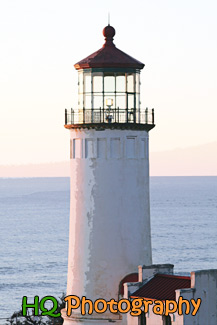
{"x":111,"y":126}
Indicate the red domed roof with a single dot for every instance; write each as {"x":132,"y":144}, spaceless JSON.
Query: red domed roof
{"x":109,"y":56}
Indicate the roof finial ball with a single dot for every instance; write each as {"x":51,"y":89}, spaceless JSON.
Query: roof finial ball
{"x":109,"y":33}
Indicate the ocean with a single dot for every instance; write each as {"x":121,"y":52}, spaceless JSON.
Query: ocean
{"x":34,"y":214}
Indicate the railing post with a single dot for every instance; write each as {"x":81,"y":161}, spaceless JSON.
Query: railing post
{"x":115,"y":114}
{"x":83,"y":115}
{"x":127,"y":115}
{"x":92,"y":114}
{"x":152,"y":112}
{"x":134,"y":115}
{"x":65,"y":116}
{"x":72,"y":122}
{"x":103,"y":113}
{"x":100,"y":114}
{"x":146,"y":115}
{"x":118,"y":114}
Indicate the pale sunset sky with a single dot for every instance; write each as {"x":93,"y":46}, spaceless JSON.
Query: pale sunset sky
{"x":42,"y":40}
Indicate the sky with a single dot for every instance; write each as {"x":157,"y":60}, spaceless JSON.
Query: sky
{"x":42,"y":40}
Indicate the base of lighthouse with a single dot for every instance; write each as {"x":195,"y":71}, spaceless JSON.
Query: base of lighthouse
{"x":109,"y":233}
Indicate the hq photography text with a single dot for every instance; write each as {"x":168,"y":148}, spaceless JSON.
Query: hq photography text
{"x":135,"y":306}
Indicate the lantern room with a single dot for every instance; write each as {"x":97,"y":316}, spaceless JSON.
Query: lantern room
{"x":109,"y":87}
{"x":103,"y":88}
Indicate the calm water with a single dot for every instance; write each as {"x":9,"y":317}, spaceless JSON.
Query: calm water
{"x":34,"y":216}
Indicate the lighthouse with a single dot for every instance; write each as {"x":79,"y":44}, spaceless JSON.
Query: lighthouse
{"x":109,"y":232}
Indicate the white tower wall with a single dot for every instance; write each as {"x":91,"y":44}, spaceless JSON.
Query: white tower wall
{"x":109,"y":213}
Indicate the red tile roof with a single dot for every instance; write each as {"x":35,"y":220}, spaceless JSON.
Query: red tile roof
{"x":109,"y":56}
{"x":132,"y":277}
{"x":162,"y":287}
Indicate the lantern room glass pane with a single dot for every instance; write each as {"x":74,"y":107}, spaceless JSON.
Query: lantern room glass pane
{"x":87,"y":101}
{"x":121,"y":102}
{"x":130,"y":101}
{"x":97,"y":83}
{"x":87,"y":83}
{"x":120,"y":83}
{"x":108,"y":99}
{"x":97,"y":101}
{"x":130,"y":83}
{"x":80,"y":83}
{"x":109,"y":83}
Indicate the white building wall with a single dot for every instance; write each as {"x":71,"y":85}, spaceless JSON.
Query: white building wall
{"x":153,"y":319}
{"x":109,"y":212}
{"x":204,"y":286}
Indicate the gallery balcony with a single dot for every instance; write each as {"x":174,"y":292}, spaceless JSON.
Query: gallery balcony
{"x":110,"y":118}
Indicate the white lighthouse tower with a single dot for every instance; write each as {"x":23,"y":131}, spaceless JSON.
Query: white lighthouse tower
{"x":109,"y":232}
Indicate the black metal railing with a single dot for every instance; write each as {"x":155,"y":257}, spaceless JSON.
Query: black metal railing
{"x":88,"y":116}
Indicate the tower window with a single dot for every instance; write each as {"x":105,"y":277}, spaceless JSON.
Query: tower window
{"x":167,"y":320}
{"x":142,"y":319}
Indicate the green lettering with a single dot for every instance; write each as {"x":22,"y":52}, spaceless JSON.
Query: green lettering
{"x":50,"y":312}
